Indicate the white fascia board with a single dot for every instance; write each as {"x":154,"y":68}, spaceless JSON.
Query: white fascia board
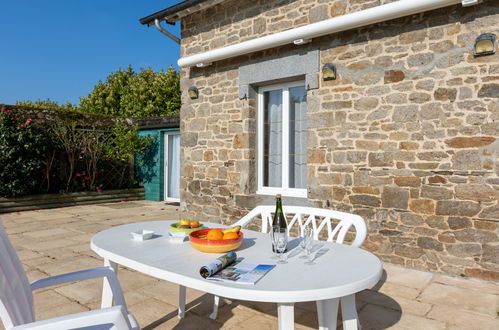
{"x":336,"y":24}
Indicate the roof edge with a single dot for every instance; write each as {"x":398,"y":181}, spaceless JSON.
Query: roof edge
{"x":168,"y":13}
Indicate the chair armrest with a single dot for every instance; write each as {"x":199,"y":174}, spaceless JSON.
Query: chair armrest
{"x":113,"y":315}
{"x":81,"y":275}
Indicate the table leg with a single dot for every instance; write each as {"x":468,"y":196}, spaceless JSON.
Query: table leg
{"x":349,"y":313}
{"x":216,"y":303}
{"x":327,"y":313}
{"x":286,"y":316}
{"x":107,"y":294}
{"x":181,"y":301}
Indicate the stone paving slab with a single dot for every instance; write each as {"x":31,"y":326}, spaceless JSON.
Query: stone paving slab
{"x":54,"y":241}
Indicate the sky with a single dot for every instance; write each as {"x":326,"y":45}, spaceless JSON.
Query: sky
{"x":60,"y":49}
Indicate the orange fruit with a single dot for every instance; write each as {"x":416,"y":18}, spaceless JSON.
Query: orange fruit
{"x":214,"y":234}
{"x":231,"y":235}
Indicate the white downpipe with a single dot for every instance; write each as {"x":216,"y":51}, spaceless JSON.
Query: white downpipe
{"x":336,"y":24}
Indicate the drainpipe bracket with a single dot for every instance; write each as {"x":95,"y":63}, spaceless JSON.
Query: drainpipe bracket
{"x":467,"y":3}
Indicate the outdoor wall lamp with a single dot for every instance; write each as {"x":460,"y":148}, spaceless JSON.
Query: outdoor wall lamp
{"x":485,"y":44}
{"x":193,"y":92}
{"x":329,"y":72}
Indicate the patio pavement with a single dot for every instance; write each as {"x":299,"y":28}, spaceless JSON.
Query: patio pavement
{"x":55,"y":241}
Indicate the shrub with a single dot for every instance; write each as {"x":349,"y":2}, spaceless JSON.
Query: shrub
{"x":23,"y":147}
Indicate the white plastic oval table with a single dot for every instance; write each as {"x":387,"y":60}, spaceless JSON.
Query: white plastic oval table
{"x":341,"y":272}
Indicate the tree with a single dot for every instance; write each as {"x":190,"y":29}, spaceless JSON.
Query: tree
{"x":129,"y":94}
{"x":47,"y":104}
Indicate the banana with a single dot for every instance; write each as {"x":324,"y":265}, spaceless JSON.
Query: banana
{"x":234,"y":229}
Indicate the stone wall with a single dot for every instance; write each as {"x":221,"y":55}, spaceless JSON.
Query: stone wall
{"x":407,"y":136}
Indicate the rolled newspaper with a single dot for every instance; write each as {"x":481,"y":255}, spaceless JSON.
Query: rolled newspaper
{"x":217,"y":265}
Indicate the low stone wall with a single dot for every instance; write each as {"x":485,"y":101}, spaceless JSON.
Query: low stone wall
{"x":48,"y":201}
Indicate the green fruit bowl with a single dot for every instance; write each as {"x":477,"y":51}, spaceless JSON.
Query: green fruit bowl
{"x":175,"y":228}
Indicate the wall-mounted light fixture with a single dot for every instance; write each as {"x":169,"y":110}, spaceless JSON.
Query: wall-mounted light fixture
{"x":328,"y":72}
{"x":485,"y":44}
{"x":193,"y":92}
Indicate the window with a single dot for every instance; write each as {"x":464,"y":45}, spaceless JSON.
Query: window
{"x":282,"y":140}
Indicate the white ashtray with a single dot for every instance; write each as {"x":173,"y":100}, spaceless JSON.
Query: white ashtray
{"x":178,"y":237}
{"x":142,"y":235}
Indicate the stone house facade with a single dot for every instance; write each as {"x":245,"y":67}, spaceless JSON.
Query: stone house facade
{"x":407,"y":136}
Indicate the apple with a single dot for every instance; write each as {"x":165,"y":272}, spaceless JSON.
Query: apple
{"x":194,"y":223}
{"x":184,"y":222}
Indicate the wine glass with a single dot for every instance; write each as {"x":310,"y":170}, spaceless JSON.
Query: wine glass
{"x":306,"y":235}
{"x":281,"y":242}
{"x":309,"y":247}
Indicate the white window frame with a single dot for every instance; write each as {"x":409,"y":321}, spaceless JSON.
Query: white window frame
{"x":166,"y":163}
{"x":285,"y":190}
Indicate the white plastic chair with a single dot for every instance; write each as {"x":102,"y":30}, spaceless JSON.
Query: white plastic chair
{"x":321,"y":221}
{"x":16,"y":297}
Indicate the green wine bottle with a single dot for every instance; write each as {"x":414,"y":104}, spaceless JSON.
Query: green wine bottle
{"x":279,"y":220}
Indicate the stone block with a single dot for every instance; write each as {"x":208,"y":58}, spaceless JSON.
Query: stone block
{"x":470,"y":142}
{"x":393,"y":76}
{"x":459,"y":223}
{"x":422,"y":206}
{"x":464,"y":250}
{"x":457,"y":208}
{"x":412,"y":252}
{"x":366,"y":200}
{"x":445,"y":94}
{"x":356,"y":156}
{"x":447,"y":237}
{"x":316,"y":156}
{"x":418,"y":97}
{"x":467,"y":160}
{"x":477,"y":192}
{"x":437,"y":179}
{"x":420,"y":59}
{"x":483,"y":274}
{"x":436,"y":221}
{"x":491,"y":253}
{"x":432,"y":155}
{"x":404,"y":114}
{"x":407,"y":181}
{"x":366,"y":103}
{"x":366,"y":190}
{"x":430,"y":244}
{"x":436,"y":193}
{"x":491,"y":212}
{"x":475,"y":235}
{"x":380,"y":159}
{"x":489,"y":90}
{"x":395,"y":198}
{"x":410,"y":219}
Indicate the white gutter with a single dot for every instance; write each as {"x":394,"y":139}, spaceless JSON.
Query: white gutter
{"x":336,"y":24}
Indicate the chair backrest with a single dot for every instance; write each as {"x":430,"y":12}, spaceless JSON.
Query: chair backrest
{"x":319,"y":220}
{"x":16,"y":298}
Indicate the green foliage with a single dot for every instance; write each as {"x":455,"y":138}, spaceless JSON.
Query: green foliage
{"x":127,"y":93}
{"x":125,"y":142}
{"x":47,"y":104}
{"x":23,"y":147}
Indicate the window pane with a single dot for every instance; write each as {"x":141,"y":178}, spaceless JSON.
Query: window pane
{"x":272,"y":138}
{"x":297,"y":137}
{"x":173,"y":165}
